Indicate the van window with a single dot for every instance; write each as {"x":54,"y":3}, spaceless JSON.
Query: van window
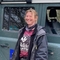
{"x":13,"y":18}
{"x":53,"y":20}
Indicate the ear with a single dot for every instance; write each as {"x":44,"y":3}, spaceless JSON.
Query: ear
{"x":36,"y":17}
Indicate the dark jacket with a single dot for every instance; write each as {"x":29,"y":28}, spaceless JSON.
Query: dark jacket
{"x":39,"y":49}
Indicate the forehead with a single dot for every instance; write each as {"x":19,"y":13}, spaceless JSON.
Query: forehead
{"x":30,"y":13}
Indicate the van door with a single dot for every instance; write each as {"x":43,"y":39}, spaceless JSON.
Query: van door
{"x":11,"y":20}
{"x":51,"y":21}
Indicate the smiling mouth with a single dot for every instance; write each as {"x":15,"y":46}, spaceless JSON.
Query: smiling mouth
{"x":28,"y":20}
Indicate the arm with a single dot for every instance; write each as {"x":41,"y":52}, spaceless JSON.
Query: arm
{"x":16,"y":50}
{"x":42,"y":51}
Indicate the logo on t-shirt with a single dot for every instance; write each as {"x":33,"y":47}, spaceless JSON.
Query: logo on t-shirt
{"x":23,"y":39}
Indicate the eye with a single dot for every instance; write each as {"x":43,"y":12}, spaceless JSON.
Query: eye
{"x":26,"y":16}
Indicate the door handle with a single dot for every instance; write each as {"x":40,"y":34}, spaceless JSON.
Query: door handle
{"x":4,"y":46}
{"x":50,"y":52}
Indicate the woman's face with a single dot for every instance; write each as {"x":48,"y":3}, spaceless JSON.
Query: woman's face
{"x":30,"y":18}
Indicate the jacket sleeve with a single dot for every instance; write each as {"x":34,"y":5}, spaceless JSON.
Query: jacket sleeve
{"x":16,"y":50}
{"x":42,"y":50}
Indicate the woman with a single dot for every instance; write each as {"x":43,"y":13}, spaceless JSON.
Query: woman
{"x":32,"y":42}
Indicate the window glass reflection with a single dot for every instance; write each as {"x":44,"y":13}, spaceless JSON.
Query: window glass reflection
{"x":13,"y":17}
{"x":53,"y":20}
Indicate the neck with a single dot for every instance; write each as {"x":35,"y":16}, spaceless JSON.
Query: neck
{"x":31,"y":25}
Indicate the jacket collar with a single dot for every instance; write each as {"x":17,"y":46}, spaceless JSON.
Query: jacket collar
{"x":35,"y":30}
{"x":38,"y":30}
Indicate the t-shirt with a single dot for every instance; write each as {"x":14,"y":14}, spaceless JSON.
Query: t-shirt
{"x":25,"y":42}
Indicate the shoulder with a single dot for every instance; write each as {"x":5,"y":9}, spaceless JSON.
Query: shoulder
{"x":40,"y":30}
{"x":21,"y":29}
